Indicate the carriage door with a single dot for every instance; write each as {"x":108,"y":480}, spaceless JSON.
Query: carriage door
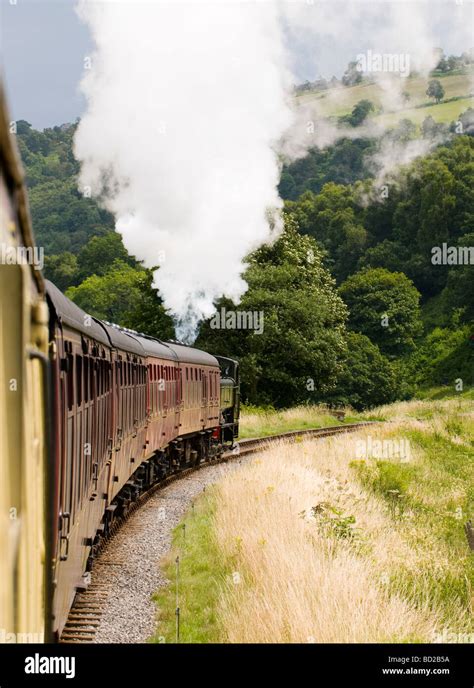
{"x":176,"y":399}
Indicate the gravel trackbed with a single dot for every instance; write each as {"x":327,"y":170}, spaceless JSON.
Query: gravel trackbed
{"x":129,"y":567}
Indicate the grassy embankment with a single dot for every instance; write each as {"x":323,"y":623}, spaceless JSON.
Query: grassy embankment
{"x":309,"y":543}
{"x":257,"y":422}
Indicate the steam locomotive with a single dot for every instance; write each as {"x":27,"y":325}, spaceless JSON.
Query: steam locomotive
{"x":92,"y":415}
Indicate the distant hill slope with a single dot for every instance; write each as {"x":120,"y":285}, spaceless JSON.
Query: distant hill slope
{"x":339,"y":101}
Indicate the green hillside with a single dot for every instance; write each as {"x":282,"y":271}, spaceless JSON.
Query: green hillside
{"x":339,"y":101}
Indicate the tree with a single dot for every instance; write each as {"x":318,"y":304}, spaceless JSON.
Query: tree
{"x":125,"y":296}
{"x":430,"y":128}
{"x":344,"y":162}
{"x":444,"y":356}
{"x":61,"y":269}
{"x":367,"y":378}
{"x":384,"y":306}
{"x":435,"y":90}
{"x":299,"y":352}
{"x":459,"y":291}
{"x":63,"y":217}
{"x":100,"y":253}
{"x":352,"y":75}
{"x":443,"y":65}
{"x":467,"y":122}
{"x":331,"y":218}
{"x":360,"y":112}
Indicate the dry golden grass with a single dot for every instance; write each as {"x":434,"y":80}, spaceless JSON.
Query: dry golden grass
{"x":310,"y":542}
{"x":421,"y":409}
{"x":306,"y":573}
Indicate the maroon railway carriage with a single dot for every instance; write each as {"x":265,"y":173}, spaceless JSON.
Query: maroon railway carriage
{"x":128,"y":410}
{"x":183,"y":402}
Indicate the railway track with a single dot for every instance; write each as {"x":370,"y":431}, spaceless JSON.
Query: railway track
{"x":86,"y":612}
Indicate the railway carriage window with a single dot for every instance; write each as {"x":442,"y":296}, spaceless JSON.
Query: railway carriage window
{"x":91,"y":378}
{"x":70,"y":381}
{"x":86,"y":379}
{"x":79,"y":379}
{"x":159,"y":388}
{"x":171,"y":388}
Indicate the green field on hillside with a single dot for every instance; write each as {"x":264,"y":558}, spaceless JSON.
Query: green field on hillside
{"x":339,"y":101}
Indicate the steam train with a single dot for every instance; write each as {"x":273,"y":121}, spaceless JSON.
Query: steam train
{"x":92,"y":415}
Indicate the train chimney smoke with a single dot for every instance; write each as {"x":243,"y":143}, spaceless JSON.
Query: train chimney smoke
{"x":186,"y":102}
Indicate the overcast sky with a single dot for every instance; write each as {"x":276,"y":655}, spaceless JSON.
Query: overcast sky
{"x":43,"y":45}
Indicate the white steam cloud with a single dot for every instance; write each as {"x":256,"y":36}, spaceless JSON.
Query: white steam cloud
{"x":189,"y":116}
{"x":186,"y":103}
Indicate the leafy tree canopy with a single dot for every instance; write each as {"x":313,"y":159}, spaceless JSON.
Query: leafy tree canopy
{"x":126,"y":297}
{"x":367,"y":378}
{"x":384,"y":306}
{"x":299,"y":351}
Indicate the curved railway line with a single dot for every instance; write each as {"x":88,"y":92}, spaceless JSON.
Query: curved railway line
{"x":86,"y":613}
